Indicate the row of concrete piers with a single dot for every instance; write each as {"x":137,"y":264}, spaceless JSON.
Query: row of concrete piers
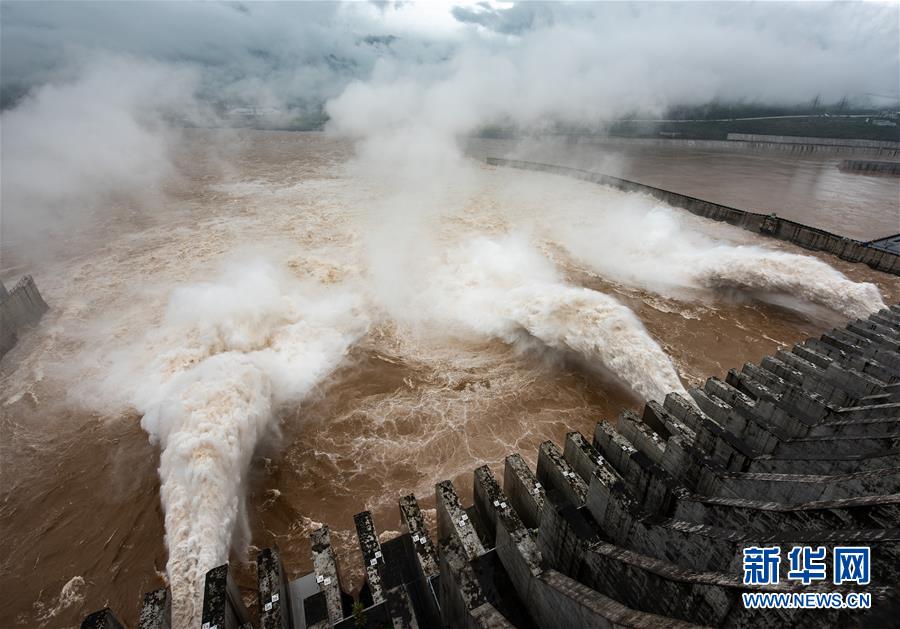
{"x":640,"y":526}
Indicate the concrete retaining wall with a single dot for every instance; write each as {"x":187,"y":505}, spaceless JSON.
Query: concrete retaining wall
{"x":20,"y":307}
{"x":816,"y":146}
{"x":768,"y":224}
{"x":807,"y":145}
{"x":791,"y":139}
{"x":870,"y":167}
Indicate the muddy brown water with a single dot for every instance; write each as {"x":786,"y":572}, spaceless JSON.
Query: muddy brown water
{"x":808,"y":188}
{"x":82,"y":525}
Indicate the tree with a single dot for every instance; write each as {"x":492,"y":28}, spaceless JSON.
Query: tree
{"x":359,"y":616}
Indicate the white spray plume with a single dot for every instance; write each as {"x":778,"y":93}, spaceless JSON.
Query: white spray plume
{"x":72,"y":145}
{"x":408,"y":122}
{"x":407,"y":129}
{"x":228,"y":354}
{"x":780,"y":273}
{"x":635,"y":241}
{"x":505,"y":288}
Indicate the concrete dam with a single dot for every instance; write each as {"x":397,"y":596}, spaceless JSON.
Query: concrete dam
{"x":640,"y":526}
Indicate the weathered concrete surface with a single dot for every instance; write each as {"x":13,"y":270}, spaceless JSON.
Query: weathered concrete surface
{"x":325,"y":565}
{"x":557,"y":476}
{"x":891,"y":243}
{"x":308,"y":607}
{"x":414,"y":522}
{"x":103,"y":619}
{"x":453,"y":521}
{"x":156,"y":612}
{"x":643,"y":526}
{"x":273,"y":593}
{"x":461,"y":593}
{"x":768,"y":224}
{"x":223,"y":606}
{"x":372,"y":556}
{"x":526,"y":494}
{"x":20,"y":307}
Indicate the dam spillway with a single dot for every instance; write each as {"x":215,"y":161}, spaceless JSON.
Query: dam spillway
{"x":402,"y":438}
{"x":643,"y":526}
{"x":288,"y":313}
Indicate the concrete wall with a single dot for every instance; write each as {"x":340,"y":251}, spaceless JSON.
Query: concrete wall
{"x":20,"y":307}
{"x":818,"y":146}
{"x":770,"y":225}
{"x":790,"y":139}
{"x":870,"y":167}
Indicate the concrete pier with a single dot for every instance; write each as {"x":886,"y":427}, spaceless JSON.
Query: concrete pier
{"x":640,"y":526}
{"x":156,"y":613}
{"x":274,"y":596}
{"x":19,"y":307}
{"x":223,"y":606}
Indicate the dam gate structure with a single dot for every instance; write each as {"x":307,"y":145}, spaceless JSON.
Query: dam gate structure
{"x":644,"y":525}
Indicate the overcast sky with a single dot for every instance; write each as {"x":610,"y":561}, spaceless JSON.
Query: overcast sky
{"x":89,"y":89}
{"x":296,"y":55}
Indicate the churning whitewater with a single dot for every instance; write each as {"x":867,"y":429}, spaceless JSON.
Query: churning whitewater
{"x":285,"y":284}
{"x":646,"y":245}
{"x":371,"y":342}
{"x":231,"y":351}
{"x":228,"y":354}
{"x":507,"y":289}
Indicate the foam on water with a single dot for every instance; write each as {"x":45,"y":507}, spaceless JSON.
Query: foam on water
{"x":631,"y":240}
{"x":228,"y":354}
{"x":505,"y":287}
{"x":803,"y":277}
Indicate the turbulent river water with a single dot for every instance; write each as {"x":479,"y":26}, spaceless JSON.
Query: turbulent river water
{"x":278,"y":341}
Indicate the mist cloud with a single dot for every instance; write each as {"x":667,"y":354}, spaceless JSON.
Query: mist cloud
{"x":95,"y":94}
{"x":90,"y":89}
{"x":619,"y":58}
{"x":70,"y":145}
{"x":290,"y":55}
{"x":296,"y":55}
